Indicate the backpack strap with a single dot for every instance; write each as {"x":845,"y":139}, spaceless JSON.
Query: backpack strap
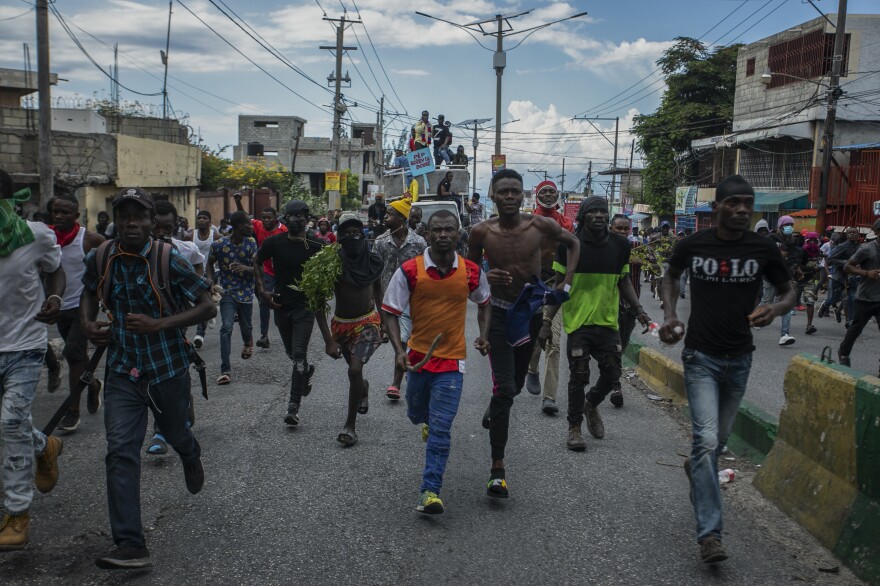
{"x":160,"y":270}
{"x":104,"y":282}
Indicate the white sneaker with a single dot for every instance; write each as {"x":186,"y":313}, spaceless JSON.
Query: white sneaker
{"x":786,"y":340}
{"x":213,"y":323}
{"x":199,"y":340}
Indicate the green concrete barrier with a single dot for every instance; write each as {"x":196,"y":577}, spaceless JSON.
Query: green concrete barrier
{"x":823,"y":469}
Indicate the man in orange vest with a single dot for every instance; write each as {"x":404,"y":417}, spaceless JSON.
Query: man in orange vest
{"x":436,"y":286}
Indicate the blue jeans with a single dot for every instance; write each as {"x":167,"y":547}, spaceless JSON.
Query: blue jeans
{"x":229,"y":307}
{"x":125,"y":419}
{"x":432,"y":398}
{"x":19,"y":374}
{"x":265,"y":310}
{"x":442,"y":154}
{"x":715,"y":387}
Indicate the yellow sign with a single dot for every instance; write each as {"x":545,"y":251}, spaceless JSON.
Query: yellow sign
{"x":343,"y":183}
{"x":331,"y":180}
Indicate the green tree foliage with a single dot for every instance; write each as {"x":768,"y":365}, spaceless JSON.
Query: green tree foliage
{"x":213,"y":169}
{"x":697,"y":103}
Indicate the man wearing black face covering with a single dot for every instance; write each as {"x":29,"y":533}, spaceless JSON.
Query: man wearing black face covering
{"x":355,"y":331}
{"x":590,"y":317}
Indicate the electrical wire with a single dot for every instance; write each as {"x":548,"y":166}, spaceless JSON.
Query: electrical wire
{"x":17,"y":16}
{"x":254,"y":63}
{"x":369,"y":38}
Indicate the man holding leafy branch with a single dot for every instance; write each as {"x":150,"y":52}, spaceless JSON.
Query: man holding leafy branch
{"x":294,"y":315}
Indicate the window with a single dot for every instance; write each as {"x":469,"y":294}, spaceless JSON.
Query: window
{"x":806,"y":56}
{"x":265,"y":124}
{"x":750,"y":66}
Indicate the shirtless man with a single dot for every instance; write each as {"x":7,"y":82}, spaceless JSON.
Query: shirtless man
{"x":513,"y":242}
{"x":356,"y":329}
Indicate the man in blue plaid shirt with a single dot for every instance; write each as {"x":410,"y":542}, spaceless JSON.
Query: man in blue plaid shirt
{"x":148,"y":362}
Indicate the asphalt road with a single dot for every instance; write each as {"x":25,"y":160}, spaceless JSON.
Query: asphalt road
{"x":770,"y":360}
{"x":291,"y":506}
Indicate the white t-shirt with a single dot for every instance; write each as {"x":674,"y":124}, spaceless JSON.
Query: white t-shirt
{"x":825,"y":249}
{"x":22,"y":291}
{"x":189,"y":251}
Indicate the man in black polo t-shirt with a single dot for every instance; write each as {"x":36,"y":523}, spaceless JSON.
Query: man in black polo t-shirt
{"x":726,"y":266}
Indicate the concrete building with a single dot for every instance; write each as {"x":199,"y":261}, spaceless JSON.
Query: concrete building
{"x":780,"y":107}
{"x":281,"y":139}
{"x":97,"y":154}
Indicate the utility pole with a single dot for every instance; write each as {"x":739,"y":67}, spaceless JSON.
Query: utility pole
{"x":538,"y":172}
{"x":590,"y":177}
{"x":614,"y":144}
{"x":499,"y":27}
{"x":477,"y":122}
{"x":164,"y":55}
{"x":562,"y":184}
{"x":632,"y":152}
{"x":338,"y":107}
{"x":47,"y":185}
{"x":380,"y":145}
{"x":834,"y":92}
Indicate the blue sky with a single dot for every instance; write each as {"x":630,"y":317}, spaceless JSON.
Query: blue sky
{"x":574,"y":68}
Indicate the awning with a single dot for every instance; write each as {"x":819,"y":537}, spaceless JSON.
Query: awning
{"x":638,"y":217}
{"x":799,"y":130}
{"x":704,"y":208}
{"x":771,"y":201}
{"x":805,"y":214}
{"x":858,"y":147}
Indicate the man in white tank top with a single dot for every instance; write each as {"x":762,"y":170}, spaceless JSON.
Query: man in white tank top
{"x":203,"y":236}
{"x":75,"y":242}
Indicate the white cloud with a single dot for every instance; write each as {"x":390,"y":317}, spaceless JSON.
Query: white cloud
{"x":412,"y":72}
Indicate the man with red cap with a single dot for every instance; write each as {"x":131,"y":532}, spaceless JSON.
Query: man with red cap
{"x":547,"y":205}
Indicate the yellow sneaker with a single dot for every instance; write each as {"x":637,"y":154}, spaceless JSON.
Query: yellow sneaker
{"x":425,"y":432}
{"x":430,"y":503}
{"x":14,"y":531}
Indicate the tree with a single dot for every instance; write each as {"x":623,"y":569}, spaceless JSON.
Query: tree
{"x":213,"y":168}
{"x":255,"y":172}
{"x":697,"y":103}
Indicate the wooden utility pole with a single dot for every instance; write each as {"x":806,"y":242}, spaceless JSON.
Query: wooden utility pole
{"x":47,"y":184}
{"x":834,"y":92}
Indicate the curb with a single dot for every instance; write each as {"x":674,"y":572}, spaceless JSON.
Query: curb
{"x":754,"y":430}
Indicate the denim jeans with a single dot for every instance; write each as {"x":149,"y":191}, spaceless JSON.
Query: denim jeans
{"x":442,"y":154}
{"x":19,"y":374}
{"x":432,"y":398}
{"x":509,"y":367}
{"x":265,"y":310}
{"x":835,"y":293}
{"x":229,"y":307}
{"x":785,"y":321}
{"x":715,"y":387}
{"x":125,"y":419}
{"x":603,"y":344}
{"x":295,"y":325}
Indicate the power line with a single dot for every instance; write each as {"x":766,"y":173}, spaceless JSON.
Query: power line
{"x":393,"y":90}
{"x":80,"y":46}
{"x":17,"y":16}
{"x":254,"y":63}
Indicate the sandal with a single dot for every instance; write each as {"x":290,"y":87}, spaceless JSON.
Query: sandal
{"x":224,"y":379}
{"x":365,"y":403}
{"x":157,"y":446}
{"x":392,"y":393}
{"x":347,"y":437}
{"x":247,"y":352}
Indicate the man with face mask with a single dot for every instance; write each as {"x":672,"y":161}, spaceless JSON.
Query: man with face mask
{"x":591,"y":317}
{"x":355,"y":332}
{"x":547,"y":198}
{"x":288,"y":252}
{"x":794,"y":257}
{"x":808,"y":282}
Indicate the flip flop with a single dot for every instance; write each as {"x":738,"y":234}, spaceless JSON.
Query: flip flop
{"x":157,"y":446}
{"x":365,"y":403}
{"x":224,"y":379}
{"x":392,"y":393}
{"x":347,"y":437}
{"x":247,"y":352}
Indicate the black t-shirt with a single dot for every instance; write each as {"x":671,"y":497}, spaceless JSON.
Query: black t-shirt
{"x":726,"y":278}
{"x":287,"y":257}
{"x":441,"y":134}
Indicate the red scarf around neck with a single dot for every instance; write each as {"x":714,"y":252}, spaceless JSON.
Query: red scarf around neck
{"x":65,"y":238}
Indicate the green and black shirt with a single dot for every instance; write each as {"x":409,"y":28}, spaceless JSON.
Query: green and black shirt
{"x":595,"y":299}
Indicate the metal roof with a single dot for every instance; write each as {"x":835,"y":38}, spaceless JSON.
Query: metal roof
{"x":858,"y":147}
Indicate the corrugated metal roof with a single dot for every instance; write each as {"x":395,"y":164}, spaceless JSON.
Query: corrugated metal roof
{"x":858,"y":147}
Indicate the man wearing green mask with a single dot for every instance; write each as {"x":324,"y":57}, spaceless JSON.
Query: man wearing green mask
{"x":27,"y":249}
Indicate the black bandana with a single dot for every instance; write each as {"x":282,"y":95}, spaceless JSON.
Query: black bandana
{"x":360,"y":267}
{"x":591,"y":203}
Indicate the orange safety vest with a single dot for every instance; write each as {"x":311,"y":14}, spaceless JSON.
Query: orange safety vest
{"x":439,"y":306}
